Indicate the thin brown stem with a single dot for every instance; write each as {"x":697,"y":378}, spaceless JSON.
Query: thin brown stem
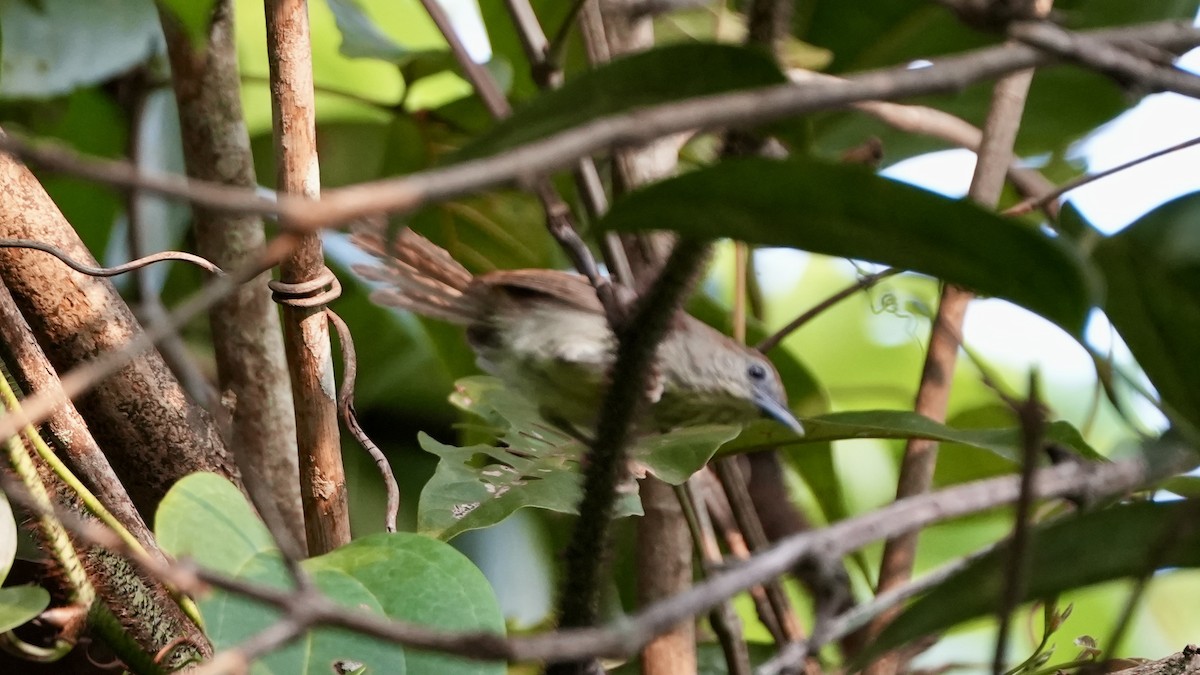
{"x":560,"y":222}
{"x":624,"y":637}
{"x":305,"y":327}
{"x":933,"y":394}
{"x":723,"y":619}
{"x":350,"y":419}
{"x":1039,"y":201}
{"x":1032,"y":418}
{"x":816,"y":310}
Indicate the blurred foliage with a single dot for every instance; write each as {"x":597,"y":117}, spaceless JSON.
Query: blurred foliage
{"x":390,"y":102}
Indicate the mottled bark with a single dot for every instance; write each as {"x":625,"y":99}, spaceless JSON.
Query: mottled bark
{"x":151,"y":431}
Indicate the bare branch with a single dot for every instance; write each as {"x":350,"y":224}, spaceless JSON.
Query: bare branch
{"x":305,"y":327}
{"x":1109,"y":58}
{"x":1037,"y":201}
{"x":561,"y":150}
{"x":247,"y":337}
{"x":1093,"y":480}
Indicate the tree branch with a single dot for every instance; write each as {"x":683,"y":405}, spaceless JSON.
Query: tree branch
{"x":561,"y":150}
{"x":1094,"y":481}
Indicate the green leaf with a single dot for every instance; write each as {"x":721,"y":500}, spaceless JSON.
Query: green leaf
{"x":655,"y":76}
{"x":8,"y":537}
{"x":537,"y":465}
{"x":1124,"y":541}
{"x":57,"y":45}
{"x":19,"y":604}
{"x":1184,"y":486}
{"x":362,"y":38}
{"x":195,"y":16}
{"x":847,"y":211}
{"x":1152,"y":270}
{"x":423,"y":581}
{"x":205,"y":517}
{"x":1005,"y":443}
{"x":961,"y":463}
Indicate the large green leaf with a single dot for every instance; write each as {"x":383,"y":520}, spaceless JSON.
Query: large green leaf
{"x":53,"y":46}
{"x":8,"y":537}
{"x":656,"y":76}
{"x":1004,"y":442}
{"x":1124,"y":541}
{"x":1152,"y":270}
{"x":537,"y":465}
{"x":848,"y":211}
{"x":421,"y":580}
{"x":402,"y":576}
{"x":362,"y":38}
{"x":19,"y":604}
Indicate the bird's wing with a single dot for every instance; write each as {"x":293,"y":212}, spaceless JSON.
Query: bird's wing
{"x":570,"y":289}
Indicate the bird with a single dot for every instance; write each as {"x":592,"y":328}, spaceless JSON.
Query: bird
{"x":545,"y":334}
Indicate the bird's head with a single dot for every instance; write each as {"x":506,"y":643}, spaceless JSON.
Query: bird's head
{"x":712,"y":379}
{"x":764,"y":388}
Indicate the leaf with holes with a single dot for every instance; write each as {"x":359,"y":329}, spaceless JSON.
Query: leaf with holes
{"x":537,"y":465}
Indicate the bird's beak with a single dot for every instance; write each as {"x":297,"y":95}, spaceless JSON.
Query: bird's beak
{"x":778,"y":412}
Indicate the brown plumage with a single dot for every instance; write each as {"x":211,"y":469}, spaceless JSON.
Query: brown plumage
{"x":545,"y":334}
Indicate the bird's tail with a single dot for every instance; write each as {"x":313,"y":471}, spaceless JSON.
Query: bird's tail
{"x":419,"y":275}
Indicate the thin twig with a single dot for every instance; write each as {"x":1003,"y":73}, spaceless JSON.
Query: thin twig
{"x":181,"y":256}
{"x":1032,"y":418}
{"x":723,"y":619}
{"x":350,"y":419}
{"x":637,"y":344}
{"x":1038,"y":202}
{"x":920,"y":456}
{"x":733,"y":482}
{"x":863,"y":283}
{"x":558,"y":44}
{"x":485,"y":85}
{"x":859,"y":616}
{"x":547,"y":73}
{"x":559,"y":219}
{"x":1108,"y":58}
{"x":1097,"y":480}
{"x":305,"y":329}
{"x":82,"y":378}
{"x":721,"y":513}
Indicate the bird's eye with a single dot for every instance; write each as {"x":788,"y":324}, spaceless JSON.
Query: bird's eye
{"x":757,"y":371}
